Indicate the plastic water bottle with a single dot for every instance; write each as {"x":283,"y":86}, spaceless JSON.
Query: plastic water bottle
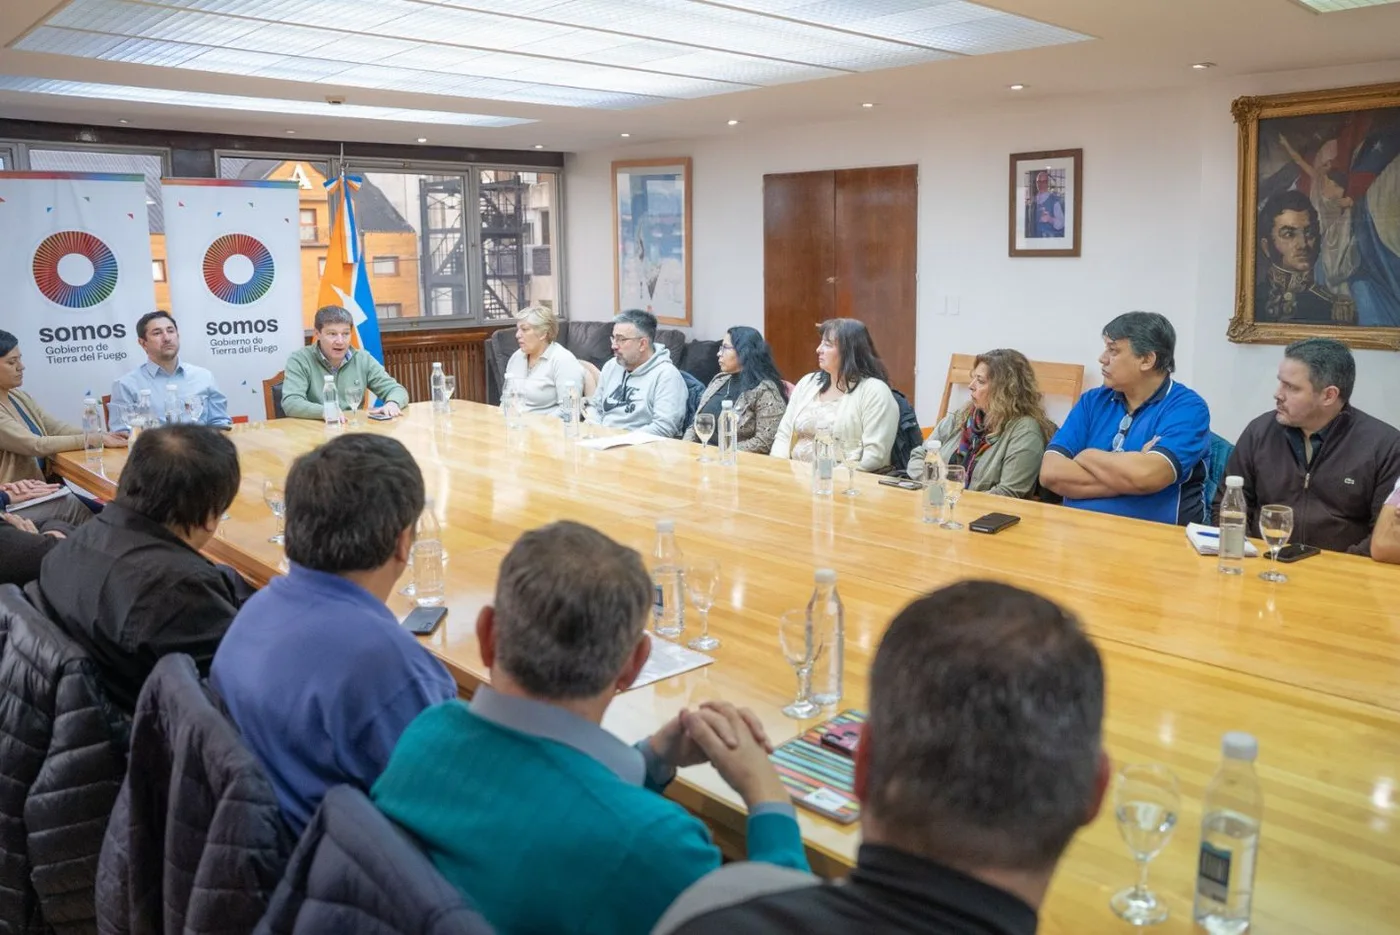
{"x":828,"y":618}
{"x":330,"y":401}
{"x":728,"y":433}
{"x":438,"y":384}
{"x":934,"y":489}
{"x":668,"y":582}
{"x":573,"y":409}
{"x":173,"y":407}
{"x":1232,"y":527}
{"x":143,"y":417}
{"x":93,"y":429}
{"x":823,"y":461}
{"x":429,"y":586}
{"x":1233,"y":810}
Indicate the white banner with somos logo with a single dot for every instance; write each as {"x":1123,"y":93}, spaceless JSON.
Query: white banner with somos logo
{"x":233,"y":251}
{"x":76,"y":260}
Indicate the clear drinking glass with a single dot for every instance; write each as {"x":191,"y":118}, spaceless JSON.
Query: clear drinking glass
{"x":357,"y":408}
{"x":1275,"y":525}
{"x":275,"y":498}
{"x":449,"y":384}
{"x":802,"y":645}
{"x":701,"y":579}
{"x":194,"y":409}
{"x":704,"y":428}
{"x":954,"y":480}
{"x":852,"y":449}
{"x":1146,"y":801}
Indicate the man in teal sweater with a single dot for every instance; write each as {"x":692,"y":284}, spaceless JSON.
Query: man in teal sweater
{"x":352,"y":371}
{"x":522,"y":800}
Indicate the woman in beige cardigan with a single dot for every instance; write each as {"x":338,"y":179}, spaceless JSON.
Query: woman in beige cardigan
{"x":28,"y":435}
{"x":850,"y":392}
{"x":999,"y":437}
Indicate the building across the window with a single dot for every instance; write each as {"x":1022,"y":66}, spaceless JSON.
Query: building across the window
{"x":386,"y":266}
{"x":393,"y":310}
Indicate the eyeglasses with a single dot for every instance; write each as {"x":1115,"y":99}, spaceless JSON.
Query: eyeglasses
{"x":1122,"y":432}
{"x":726,"y":347}
{"x":620,"y":341}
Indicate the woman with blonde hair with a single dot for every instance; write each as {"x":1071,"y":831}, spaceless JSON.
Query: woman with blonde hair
{"x":1000,"y":436}
{"x":542,"y":368}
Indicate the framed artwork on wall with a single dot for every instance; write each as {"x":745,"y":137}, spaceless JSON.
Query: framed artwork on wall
{"x":1319,"y":217}
{"x":1047,"y":203}
{"x":651,"y":237}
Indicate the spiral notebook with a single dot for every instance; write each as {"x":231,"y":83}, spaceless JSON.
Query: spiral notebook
{"x":821,"y":779}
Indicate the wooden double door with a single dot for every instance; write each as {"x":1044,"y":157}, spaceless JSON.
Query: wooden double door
{"x":841,"y":244}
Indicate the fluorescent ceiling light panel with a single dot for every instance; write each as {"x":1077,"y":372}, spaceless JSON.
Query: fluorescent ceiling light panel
{"x":1337,"y":6}
{"x":112,"y":92}
{"x":613,"y":54}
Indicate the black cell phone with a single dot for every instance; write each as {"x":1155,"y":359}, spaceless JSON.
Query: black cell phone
{"x":380,"y":416}
{"x":903,"y":483}
{"x":1297,"y":552}
{"x":993,"y":523}
{"x":424,"y":620}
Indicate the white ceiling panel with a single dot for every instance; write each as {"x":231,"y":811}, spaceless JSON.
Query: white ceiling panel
{"x":996,"y":34}
{"x":1337,"y":6}
{"x":111,"y":92}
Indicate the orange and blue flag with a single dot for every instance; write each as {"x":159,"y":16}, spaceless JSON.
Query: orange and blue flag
{"x":345,"y":281}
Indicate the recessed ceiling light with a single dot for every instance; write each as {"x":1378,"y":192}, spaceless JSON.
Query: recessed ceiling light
{"x":123,"y":120}
{"x":626,"y":135}
{"x":422,"y":139}
{"x":733,"y":123}
{"x":867,"y":105}
{"x":1202,"y":66}
{"x":290,"y":132}
{"x":539,"y":146}
{"x":1018,"y":87}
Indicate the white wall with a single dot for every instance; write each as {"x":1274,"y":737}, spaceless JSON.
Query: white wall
{"x":1159,"y":231}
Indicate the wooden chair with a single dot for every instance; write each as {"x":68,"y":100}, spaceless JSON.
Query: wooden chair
{"x":1054,"y":380}
{"x":272,"y":394}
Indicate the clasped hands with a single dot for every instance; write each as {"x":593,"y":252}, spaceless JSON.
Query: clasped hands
{"x":732,"y":740}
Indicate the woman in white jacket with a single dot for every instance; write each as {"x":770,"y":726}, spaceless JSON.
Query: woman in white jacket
{"x":850,"y":393}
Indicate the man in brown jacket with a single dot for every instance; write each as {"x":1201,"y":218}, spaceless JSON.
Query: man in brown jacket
{"x":1315,"y":452}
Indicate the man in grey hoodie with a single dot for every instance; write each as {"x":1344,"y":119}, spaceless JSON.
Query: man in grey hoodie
{"x":640,"y":388}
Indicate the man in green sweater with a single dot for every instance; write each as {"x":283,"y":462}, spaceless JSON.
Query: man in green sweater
{"x":522,"y":800}
{"x":352,"y":371}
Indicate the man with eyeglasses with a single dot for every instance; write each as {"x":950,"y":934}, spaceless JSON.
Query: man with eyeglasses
{"x":1136,"y":445}
{"x":640,"y":388}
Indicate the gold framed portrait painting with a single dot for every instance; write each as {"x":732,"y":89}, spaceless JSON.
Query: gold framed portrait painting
{"x":1319,"y":217}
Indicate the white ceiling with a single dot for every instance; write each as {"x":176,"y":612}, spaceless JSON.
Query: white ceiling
{"x":577,"y":74}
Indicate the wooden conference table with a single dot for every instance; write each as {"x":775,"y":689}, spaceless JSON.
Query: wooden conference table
{"x":1311,"y":667}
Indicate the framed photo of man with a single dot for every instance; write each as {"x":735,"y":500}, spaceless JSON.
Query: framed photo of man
{"x":1047,"y":203}
{"x":1319,"y":217}
{"x":651,"y":237}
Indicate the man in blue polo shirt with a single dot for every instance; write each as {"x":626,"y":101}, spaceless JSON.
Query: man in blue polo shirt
{"x":1136,"y":445}
{"x":315,"y":670}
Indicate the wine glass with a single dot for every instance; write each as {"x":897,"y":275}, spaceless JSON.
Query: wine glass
{"x":954,"y":480}
{"x":852,"y":450}
{"x":701,"y":578}
{"x":802,"y":645}
{"x":449,"y":384}
{"x":194,"y":409}
{"x":357,"y":406}
{"x":276,"y":499}
{"x":1146,"y":800}
{"x":1275,"y":525}
{"x":704,"y":428}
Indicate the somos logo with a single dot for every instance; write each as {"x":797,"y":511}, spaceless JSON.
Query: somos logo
{"x":74,"y":269}
{"x":238,"y":269}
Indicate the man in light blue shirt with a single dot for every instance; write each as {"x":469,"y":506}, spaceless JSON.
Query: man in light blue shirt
{"x":160,"y":339}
